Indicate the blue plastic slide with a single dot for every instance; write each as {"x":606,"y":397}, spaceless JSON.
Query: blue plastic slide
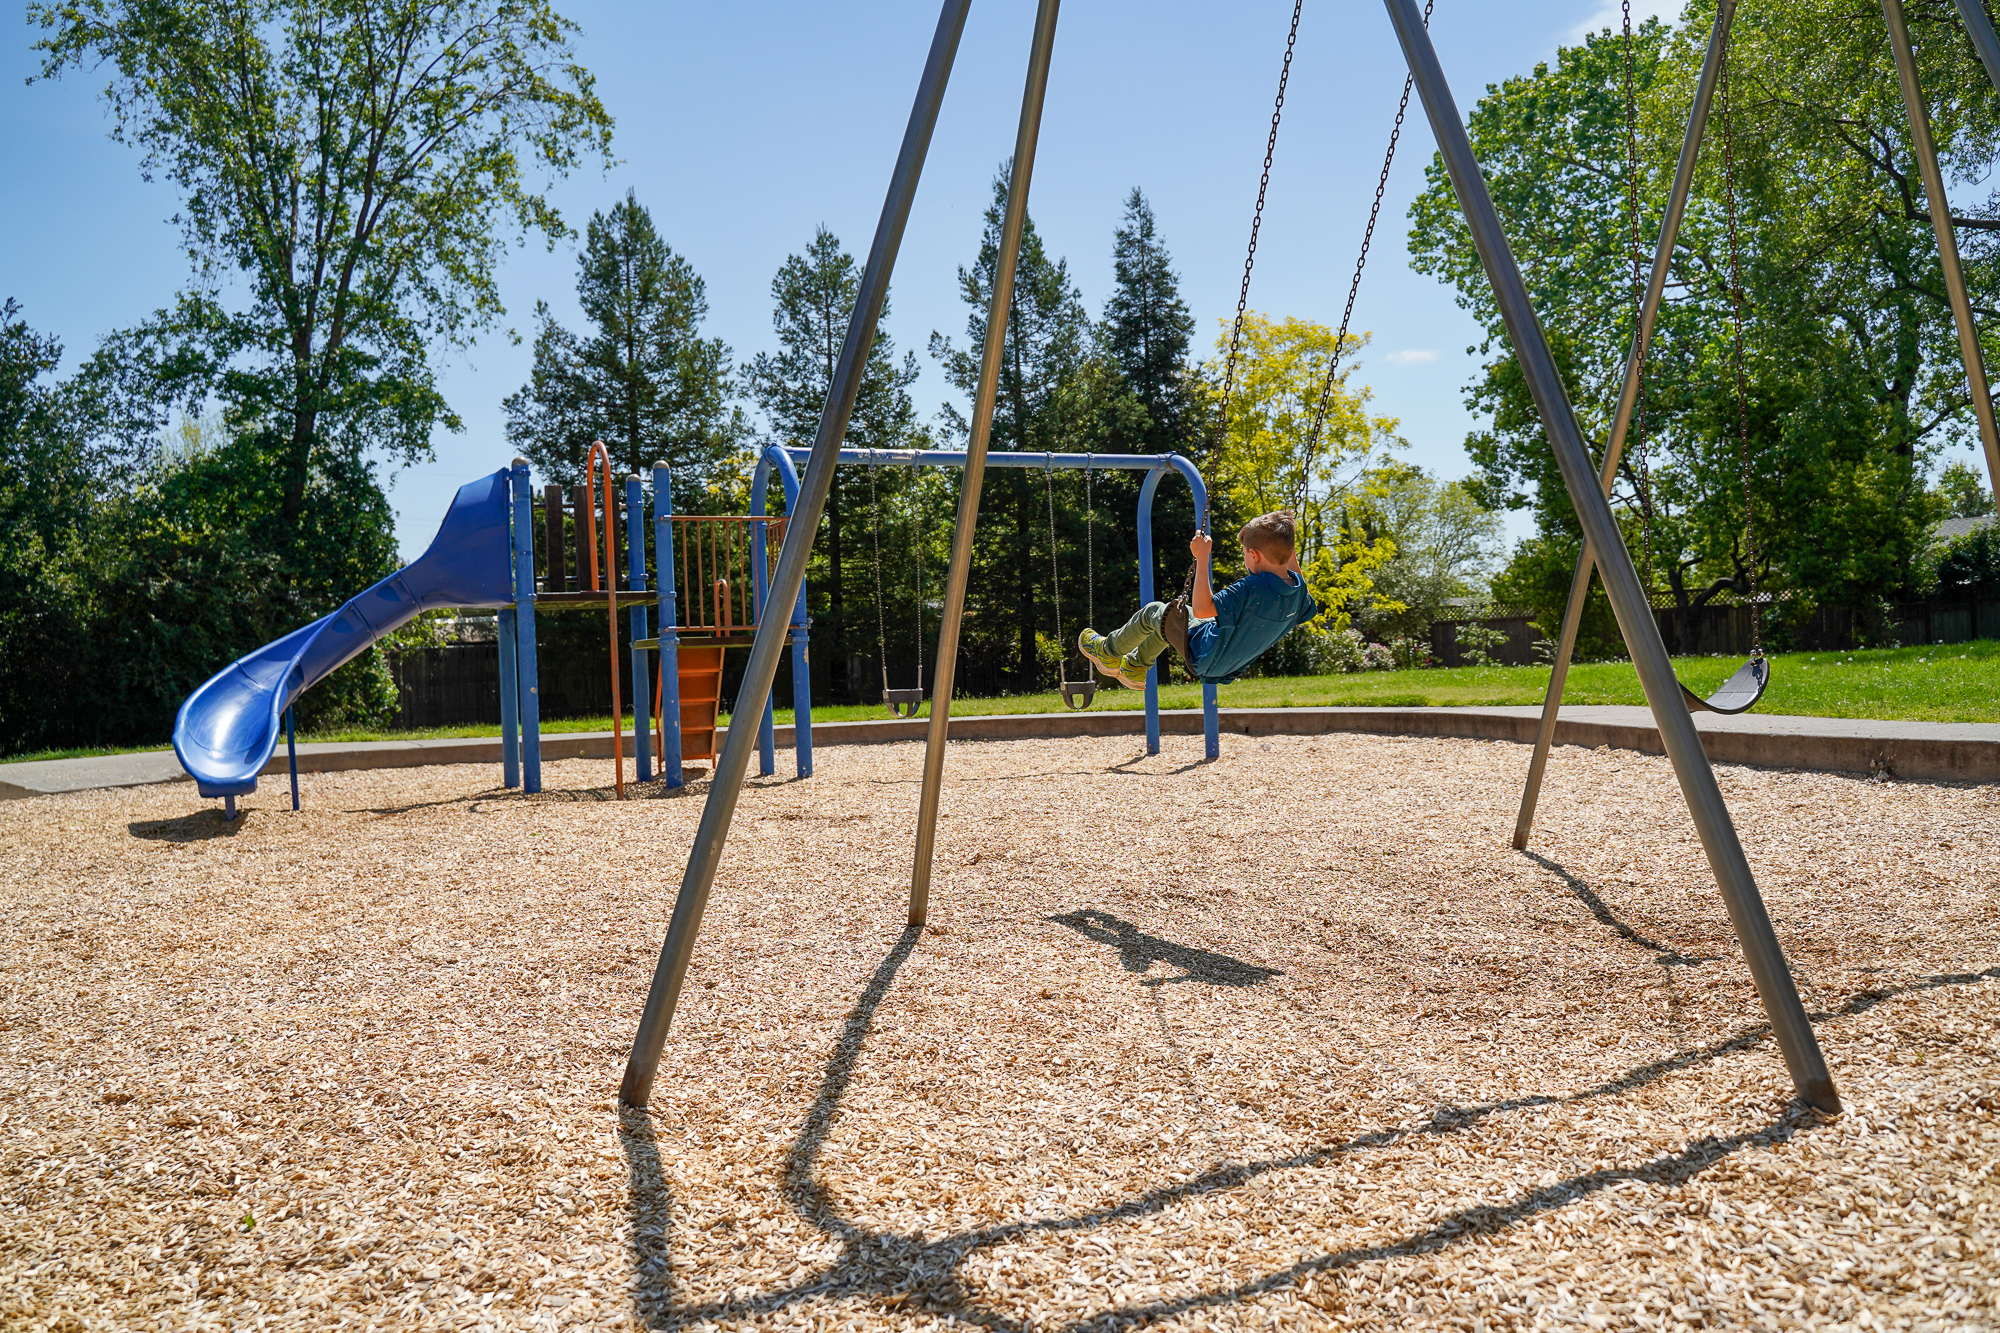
{"x":227,"y":729}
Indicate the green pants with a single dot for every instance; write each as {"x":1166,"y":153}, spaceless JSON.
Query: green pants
{"x":1139,"y":640}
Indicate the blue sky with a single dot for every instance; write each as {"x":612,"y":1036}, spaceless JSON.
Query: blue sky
{"x":744,"y":126}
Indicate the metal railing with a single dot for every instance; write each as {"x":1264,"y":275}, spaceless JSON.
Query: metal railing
{"x":713,"y":569}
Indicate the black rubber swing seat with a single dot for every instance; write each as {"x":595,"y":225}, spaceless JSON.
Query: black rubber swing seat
{"x":1077,"y":694}
{"x":904,"y":703}
{"x":1739,"y":694}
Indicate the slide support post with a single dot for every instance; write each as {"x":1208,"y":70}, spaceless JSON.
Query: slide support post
{"x":510,"y":701}
{"x":526,"y":670}
{"x":292,"y":757}
{"x":1747,"y":913}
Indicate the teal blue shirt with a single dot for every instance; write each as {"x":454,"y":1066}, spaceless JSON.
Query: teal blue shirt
{"x":1251,"y":614}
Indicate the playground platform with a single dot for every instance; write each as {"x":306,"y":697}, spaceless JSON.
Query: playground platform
{"x":1912,"y":751}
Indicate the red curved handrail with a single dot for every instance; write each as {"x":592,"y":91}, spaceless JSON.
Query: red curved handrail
{"x":597,"y":451}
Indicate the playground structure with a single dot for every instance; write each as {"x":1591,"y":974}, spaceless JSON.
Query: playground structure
{"x":713,"y":580}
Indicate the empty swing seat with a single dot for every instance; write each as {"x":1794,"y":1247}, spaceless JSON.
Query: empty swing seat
{"x":904,"y":703}
{"x":1739,"y":694}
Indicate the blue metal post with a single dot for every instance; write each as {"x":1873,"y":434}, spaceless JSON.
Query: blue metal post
{"x":1211,"y":722}
{"x":510,"y":700}
{"x":1146,"y":489}
{"x":670,"y":655}
{"x":527,"y":679}
{"x":767,"y":725}
{"x":635,"y":542}
{"x":292,"y":757}
{"x":778,"y":459}
{"x":229,"y":807}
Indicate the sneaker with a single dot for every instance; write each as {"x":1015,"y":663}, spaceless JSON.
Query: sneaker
{"x":1098,"y":649}
{"x":1130,"y":674}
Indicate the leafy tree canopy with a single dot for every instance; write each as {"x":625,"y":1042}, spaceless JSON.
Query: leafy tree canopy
{"x":350,"y":173}
{"x":1852,"y":378}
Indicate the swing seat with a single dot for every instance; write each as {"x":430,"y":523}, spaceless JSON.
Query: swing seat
{"x":1077,"y":694}
{"x":904,"y":703}
{"x":1739,"y":694}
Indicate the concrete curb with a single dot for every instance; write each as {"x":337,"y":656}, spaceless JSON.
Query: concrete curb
{"x":1919,"y":751}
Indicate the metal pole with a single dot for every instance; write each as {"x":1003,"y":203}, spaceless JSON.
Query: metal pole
{"x":1147,"y":489}
{"x":528,"y":682}
{"x":635,"y":555}
{"x":1018,"y":177}
{"x":1954,"y":275}
{"x":510,"y":700}
{"x":713,"y":832}
{"x":1981,"y":29}
{"x":1649,"y":653}
{"x":292,"y":757}
{"x":670,"y":653}
{"x":1628,"y":400}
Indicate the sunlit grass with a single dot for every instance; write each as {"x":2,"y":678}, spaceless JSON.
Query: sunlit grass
{"x":1957,"y":682}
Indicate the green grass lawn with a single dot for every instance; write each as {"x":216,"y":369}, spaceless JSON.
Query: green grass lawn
{"x":1949,"y":683}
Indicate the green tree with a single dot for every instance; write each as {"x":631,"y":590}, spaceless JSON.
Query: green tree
{"x":1445,"y":542}
{"x":1851,"y":370}
{"x":1038,"y":408}
{"x":643,"y":380}
{"x":360,"y":169}
{"x":813,"y":295}
{"x":1146,"y":330}
{"x":1963,"y":491}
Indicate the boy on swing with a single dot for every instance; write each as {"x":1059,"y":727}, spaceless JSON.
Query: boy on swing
{"x":1227,"y":630}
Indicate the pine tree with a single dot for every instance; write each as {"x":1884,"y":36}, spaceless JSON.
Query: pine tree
{"x":814,"y":295}
{"x":1046,"y":350}
{"x":644,"y":381}
{"x":1146,"y":330}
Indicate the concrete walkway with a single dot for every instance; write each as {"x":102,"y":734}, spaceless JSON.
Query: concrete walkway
{"x":1920,"y":751}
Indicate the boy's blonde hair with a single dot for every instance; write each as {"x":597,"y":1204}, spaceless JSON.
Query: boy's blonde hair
{"x":1273,"y":535}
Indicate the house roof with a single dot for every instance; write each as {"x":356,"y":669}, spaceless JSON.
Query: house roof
{"x":1958,"y":527}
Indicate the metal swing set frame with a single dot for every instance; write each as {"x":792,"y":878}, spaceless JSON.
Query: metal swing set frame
{"x":1605,"y":545}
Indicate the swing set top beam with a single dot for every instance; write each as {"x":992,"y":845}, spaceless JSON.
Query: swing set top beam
{"x":956,"y":458}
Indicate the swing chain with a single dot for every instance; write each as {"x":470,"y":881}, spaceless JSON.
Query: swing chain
{"x":1367,"y":240}
{"x":1055,"y":577}
{"x":881,"y":625}
{"x":1736,"y":330}
{"x":923,"y":530}
{"x":1090,"y":545}
{"x":1257,"y":220}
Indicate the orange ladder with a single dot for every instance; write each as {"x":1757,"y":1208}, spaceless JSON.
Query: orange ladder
{"x":701,"y":698}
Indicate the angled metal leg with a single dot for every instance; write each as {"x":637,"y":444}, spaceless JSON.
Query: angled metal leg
{"x":1981,"y":29}
{"x":1635,"y":619}
{"x":975,"y":456}
{"x":1628,"y":401}
{"x":713,"y":832}
{"x":1940,"y":205}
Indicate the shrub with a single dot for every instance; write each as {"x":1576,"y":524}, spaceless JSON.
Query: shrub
{"x":1377,"y":657}
{"x":1477,"y":643}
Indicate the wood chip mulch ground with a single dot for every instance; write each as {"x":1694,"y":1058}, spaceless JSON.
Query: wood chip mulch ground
{"x":1292,"y":1040}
